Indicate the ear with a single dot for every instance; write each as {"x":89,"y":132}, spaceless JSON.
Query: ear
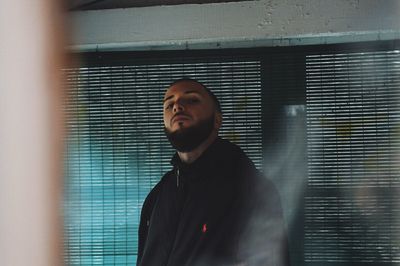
{"x":217,"y":120}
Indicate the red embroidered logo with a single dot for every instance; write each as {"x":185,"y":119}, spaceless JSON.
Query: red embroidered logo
{"x":204,"y":229}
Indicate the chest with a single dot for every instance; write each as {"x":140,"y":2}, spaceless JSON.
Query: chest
{"x":206,"y":200}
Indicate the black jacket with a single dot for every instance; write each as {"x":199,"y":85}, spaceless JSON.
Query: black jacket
{"x":216,"y":211}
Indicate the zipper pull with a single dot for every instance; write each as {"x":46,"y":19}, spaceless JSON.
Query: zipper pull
{"x":177,"y":177}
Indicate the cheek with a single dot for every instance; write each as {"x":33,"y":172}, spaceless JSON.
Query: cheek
{"x":205,"y":113}
{"x":167,"y":118}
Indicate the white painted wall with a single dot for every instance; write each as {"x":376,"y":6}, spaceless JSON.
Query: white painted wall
{"x":238,"y":24}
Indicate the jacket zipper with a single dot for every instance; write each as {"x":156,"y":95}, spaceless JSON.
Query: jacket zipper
{"x":177,"y":177}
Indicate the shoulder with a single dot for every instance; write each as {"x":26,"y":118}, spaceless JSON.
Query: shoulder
{"x":238,"y":160}
{"x":154,"y":192}
{"x":235,"y":154}
{"x":252,"y":181}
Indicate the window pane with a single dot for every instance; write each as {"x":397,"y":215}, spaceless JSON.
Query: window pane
{"x":353,"y":119}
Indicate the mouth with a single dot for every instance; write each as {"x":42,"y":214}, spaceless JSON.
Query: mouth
{"x":179,"y":118}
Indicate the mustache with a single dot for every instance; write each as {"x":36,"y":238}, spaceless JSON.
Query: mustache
{"x":181,"y":114}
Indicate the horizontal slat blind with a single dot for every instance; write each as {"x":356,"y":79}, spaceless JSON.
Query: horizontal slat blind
{"x":117,"y":151}
{"x":353,"y":136}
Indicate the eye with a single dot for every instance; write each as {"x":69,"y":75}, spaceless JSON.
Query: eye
{"x":168,"y":106}
{"x":192,"y":100}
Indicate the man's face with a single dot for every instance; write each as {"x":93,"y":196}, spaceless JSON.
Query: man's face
{"x":189,"y":115}
{"x":186,"y":104}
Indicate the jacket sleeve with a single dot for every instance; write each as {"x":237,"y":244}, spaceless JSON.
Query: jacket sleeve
{"x":263,"y":239}
{"x":145,"y":215}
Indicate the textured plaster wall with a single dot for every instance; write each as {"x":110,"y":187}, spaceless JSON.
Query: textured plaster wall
{"x":238,"y":24}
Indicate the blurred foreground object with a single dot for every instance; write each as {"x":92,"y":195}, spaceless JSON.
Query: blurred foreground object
{"x":30,"y":132}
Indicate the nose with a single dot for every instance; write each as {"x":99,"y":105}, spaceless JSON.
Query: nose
{"x":177,"y":107}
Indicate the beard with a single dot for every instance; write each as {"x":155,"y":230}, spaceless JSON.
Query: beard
{"x":188,"y":139}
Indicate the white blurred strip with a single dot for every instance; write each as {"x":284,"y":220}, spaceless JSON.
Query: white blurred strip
{"x":30,"y":133}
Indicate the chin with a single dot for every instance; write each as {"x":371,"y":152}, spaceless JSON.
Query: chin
{"x":179,"y":129}
{"x":180,"y":125}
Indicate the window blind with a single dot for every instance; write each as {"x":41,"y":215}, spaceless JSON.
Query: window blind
{"x":353,"y":121}
{"x":116,"y":148}
{"x":331,"y":108}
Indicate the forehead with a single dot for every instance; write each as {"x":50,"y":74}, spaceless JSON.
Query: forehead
{"x":185,"y":87}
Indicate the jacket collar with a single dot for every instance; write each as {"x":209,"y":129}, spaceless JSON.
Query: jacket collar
{"x":207,"y":159}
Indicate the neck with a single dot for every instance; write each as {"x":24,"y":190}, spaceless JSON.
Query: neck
{"x":190,"y":157}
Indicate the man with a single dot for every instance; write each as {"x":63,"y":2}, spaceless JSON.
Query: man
{"x":213,"y":208}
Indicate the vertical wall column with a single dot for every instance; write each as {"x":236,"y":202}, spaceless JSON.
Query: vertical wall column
{"x":30,"y":132}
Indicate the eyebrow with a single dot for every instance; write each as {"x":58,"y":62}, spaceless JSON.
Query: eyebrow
{"x":186,"y":92}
